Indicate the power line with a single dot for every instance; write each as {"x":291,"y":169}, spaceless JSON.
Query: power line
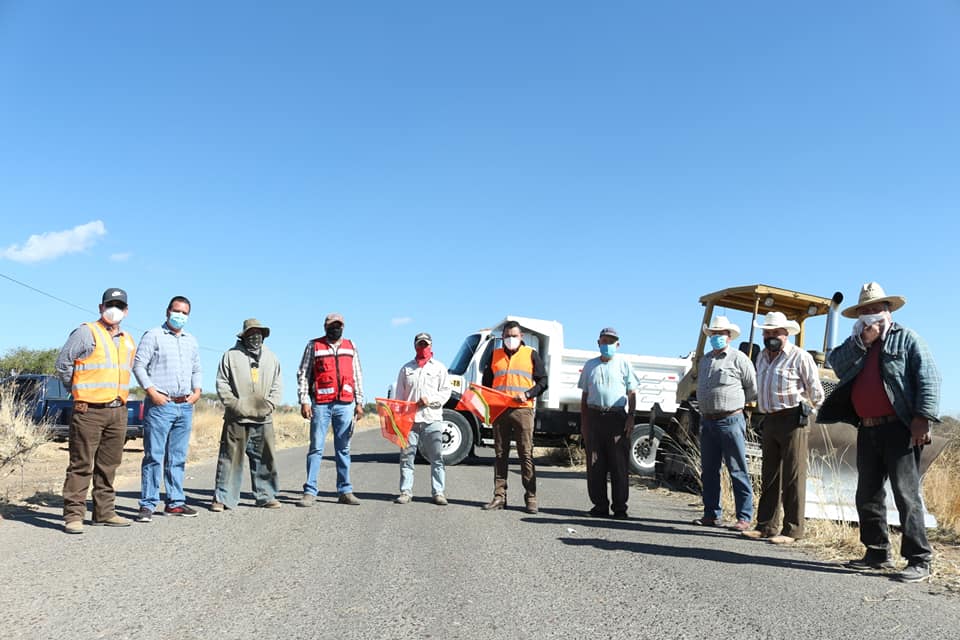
{"x":75,"y":306}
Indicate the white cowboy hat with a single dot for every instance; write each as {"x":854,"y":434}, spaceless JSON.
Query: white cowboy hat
{"x":776,"y":320}
{"x":869,"y":294}
{"x":722,"y":323}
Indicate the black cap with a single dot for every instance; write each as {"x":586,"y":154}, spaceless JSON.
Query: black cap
{"x":114,"y":295}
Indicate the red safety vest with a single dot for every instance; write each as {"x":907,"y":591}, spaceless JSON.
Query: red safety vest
{"x":333,"y":371}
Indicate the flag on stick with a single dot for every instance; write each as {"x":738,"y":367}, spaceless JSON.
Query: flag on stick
{"x":396,"y":419}
{"x":487,"y":403}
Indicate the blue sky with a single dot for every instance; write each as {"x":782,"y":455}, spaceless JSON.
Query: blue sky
{"x":435,"y":166}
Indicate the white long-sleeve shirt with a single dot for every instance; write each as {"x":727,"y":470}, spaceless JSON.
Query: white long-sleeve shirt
{"x":787,"y":379}
{"x":429,"y":381}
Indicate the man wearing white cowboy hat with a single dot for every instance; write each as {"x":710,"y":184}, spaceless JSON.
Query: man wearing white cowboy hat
{"x":889,"y":387}
{"x":788,"y":389}
{"x":725,"y":383}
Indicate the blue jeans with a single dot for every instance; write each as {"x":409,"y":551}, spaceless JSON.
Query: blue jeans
{"x":257,"y":442}
{"x":429,"y":436}
{"x":341,"y":415}
{"x":166,"y":437}
{"x":886,"y":451}
{"x":725,"y":440}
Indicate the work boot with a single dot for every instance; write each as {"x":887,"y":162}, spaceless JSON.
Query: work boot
{"x":440,"y":499}
{"x":112,"y":521}
{"x":306,"y":500}
{"x":270,"y":504}
{"x":871,"y":561}
{"x":348,"y":498}
{"x":217,"y":506}
{"x":403,"y":498}
{"x":74,"y":526}
{"x":498,"y":502}
{"x":531,"y":506}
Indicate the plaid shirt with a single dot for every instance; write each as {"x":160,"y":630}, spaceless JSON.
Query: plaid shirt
{"x":305,"y":375}
{"x":909,"y":373}
{"x":725,"y":381}
{"x":787,"y":379}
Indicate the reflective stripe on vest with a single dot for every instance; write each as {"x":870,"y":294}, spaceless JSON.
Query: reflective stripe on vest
{"x":513,"y":374}
{"x":104,"y":375}
{"x":333,"y":371}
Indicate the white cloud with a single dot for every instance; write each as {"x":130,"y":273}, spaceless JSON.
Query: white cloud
{"x":53,"y":244}
{"x":397,"y":322}
{"x":120,"y":257}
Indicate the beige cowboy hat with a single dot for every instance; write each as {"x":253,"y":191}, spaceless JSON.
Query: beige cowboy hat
{"x":869,"y":294}
{"x":253,"y":323}
{"x":776,"y":320}
{"x":722,"y":323}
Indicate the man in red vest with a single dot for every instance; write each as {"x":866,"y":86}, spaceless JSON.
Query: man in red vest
{"x":518,"y":370}
{"x":330,"y":386}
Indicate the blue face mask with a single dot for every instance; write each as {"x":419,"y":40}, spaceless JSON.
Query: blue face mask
{"x":607,"y":350}
{"x":177,"y":320}
{"x":718,"y":342}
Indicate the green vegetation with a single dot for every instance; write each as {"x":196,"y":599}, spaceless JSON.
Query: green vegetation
{"x":24,"y":360}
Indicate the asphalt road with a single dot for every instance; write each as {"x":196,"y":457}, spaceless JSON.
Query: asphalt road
{"x":382,"y":570}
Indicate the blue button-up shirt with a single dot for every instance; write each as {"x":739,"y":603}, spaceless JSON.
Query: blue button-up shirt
{"x":168,"y":361}
{"x":608,"y":383}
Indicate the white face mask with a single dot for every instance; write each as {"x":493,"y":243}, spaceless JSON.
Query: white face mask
{"x":112,"y":315}
{"x":511,"y":343}
{"x":872,"y":318}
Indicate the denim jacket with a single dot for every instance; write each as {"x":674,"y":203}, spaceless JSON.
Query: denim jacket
{"x":910,"y":377}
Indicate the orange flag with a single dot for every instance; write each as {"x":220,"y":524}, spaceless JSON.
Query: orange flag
{"x":487,"y":403}
{"x":396,"y":419}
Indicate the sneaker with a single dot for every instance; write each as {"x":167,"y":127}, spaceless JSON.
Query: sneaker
{"x":306,"y":500}
{"x":439,"y":499}
{"x":270,"y":504}
{"x":348,"y":498}
{"x":914,"y":573}
{"x":74,"y":526}
{"x":180,"y":510}
{"x":217,"y":506}
{"x":871,"y":562}
{"x":403,"y":498}
{"x":145,"y":515}
{"x":706,"y":522}
{"x":740,"y":525}
{"x":113,"y":521}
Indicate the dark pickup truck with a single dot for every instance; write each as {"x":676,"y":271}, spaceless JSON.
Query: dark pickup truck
{"x":51,"y":401}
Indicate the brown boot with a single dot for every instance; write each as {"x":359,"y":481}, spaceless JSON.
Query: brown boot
{"x":498,"y":502}
{"x":531,"y":504}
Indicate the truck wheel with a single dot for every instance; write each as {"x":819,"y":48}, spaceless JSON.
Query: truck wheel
{"x":457,"y":437}
{"x":643,"y":449}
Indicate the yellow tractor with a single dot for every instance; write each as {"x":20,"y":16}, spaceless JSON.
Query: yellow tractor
{"x":832,"y":475}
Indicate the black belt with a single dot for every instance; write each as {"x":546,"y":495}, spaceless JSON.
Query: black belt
{"x":722,"y":415}
{"x":608,"y":410}
{"x":106,"y":405}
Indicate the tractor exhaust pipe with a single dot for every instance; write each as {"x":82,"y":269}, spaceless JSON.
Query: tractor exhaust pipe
{"x":833,"y":324}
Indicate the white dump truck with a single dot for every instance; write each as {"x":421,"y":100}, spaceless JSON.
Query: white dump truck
{"x":558,"y":408}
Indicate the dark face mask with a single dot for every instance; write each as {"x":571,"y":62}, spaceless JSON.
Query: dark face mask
{"x":334,"y":332}
{"x":774,"y":344}
{"x":253,"y":341}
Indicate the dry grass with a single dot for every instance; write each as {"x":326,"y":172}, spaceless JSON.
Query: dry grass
{"x":20,"y":437}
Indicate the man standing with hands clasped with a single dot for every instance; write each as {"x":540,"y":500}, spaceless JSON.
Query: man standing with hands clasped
{"x":167,"y":366}
{"x":889,"y":387}
{"x":607,"y":406}
{"x":424,"y":380}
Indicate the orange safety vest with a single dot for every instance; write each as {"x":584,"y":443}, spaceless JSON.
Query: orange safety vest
{"x":104,"y":375}
{"x":513,"y":374}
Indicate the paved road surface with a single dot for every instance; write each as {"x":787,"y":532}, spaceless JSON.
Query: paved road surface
{"x":382,"y":570}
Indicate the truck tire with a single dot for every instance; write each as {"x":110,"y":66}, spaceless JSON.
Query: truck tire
{"x":643,"y":449}
{"x":457,"y":438}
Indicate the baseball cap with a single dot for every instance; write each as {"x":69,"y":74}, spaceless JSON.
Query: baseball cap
{"x":333,"y":317}
{"x":114,"y":295}
{"x":609,"y":331}
{"x":422,"y":336}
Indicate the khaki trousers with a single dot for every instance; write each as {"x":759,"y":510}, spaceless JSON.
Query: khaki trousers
{"x":516,"y":425}
{"x":784,"y":474}
{"x":96,"y":446}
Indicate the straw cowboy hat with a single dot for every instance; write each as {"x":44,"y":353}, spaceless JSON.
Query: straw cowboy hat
{"x":722,"y":323}
{"x":869,"y":294}
{"x":776,"y":320}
